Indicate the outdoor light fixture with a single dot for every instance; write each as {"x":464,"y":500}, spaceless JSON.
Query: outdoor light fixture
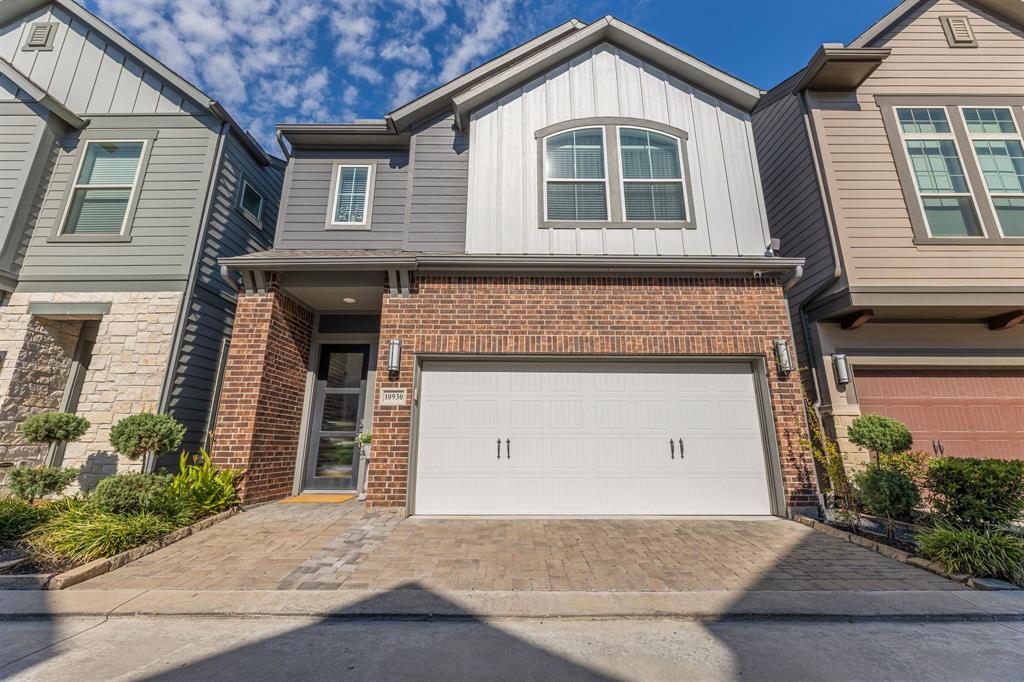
{"x":782,"y":357}
{"x":842,"y":369}
{"x":394,"y":355}
{"x":772,"y":246}
{"x":348,"y":299}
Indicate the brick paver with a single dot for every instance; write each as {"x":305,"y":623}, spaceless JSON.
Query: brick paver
{"x":345,"y":547}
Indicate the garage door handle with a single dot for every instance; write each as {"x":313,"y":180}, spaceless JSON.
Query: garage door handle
{"x":672,"y":448}
{"x":508,"y":449}
{"x":499,"y":448}
{"x":681,"y":455}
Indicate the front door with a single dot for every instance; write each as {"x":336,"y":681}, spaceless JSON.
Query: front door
{"x":333,"y":461}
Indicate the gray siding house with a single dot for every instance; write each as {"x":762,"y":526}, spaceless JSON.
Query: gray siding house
{"x":121,"y":186}
{"x":545,"y":287}
{"x":895,"y":166}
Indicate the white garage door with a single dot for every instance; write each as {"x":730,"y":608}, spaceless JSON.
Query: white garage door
{"x":526,"y":437}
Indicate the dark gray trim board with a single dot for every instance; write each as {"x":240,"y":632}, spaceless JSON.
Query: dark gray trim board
{"x":68,"y":310}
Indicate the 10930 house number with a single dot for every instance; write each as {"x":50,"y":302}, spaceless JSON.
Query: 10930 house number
{"x":392,"y":397}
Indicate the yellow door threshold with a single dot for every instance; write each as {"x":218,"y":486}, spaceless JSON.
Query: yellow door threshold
{"x":319,"y":498}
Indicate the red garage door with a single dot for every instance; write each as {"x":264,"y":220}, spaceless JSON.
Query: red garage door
{"x":973,"y":413}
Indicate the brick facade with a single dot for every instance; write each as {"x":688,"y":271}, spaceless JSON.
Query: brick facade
{"x":260,"y":411}
{"x":583,"y":314}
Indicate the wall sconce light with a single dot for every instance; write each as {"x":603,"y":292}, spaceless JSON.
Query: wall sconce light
{"x":783,"y":358}
{"x":394,"y":356}
{"x":842,"y":369}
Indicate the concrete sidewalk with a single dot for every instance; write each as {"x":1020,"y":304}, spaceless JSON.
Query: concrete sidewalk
{"x":413,"y":603}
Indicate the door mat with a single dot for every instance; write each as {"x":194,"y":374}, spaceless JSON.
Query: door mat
{"x":317,"y":498}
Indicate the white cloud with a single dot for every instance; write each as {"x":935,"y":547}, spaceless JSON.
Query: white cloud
{"x":489,"y":21}
{"x":406,"y":86}
{"x":407,"y":52}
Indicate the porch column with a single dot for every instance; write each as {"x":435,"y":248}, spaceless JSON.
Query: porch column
{"x":261,"y":402}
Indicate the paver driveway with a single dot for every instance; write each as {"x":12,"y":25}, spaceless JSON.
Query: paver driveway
{"x":312,"y":546}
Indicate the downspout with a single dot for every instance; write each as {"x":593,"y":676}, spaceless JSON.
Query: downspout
{"x":201,"y":232}
{"x":833,"y":239}
{"x":280,"y":143}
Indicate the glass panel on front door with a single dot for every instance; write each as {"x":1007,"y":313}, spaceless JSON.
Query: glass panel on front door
{"x":333,"y":463}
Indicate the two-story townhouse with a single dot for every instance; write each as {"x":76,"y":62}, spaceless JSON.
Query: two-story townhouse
{"x":121,"y":185}
{"x":545,"y":287}
{"x":895,"y":166}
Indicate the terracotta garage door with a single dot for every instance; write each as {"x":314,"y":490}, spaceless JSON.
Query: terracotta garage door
{"x":972,"y":413}
{"x":592,"y":438}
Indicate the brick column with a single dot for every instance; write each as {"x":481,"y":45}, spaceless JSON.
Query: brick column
{"x":261,"y":400}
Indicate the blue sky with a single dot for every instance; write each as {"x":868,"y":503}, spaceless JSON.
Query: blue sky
{"x":272,"y":61}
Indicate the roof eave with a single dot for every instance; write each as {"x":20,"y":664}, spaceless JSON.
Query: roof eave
{"x":41,"y":96}
{"x":834,"y":67}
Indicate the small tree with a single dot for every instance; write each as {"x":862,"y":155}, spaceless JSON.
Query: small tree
{"x":54,"y":427}
{"x":146,"y":434}
{"x":31,"y":483}
{"x":887,"y":493}
{"x":881,"y":435}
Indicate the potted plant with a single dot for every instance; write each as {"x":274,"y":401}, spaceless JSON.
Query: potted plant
{"x":146,"y":435}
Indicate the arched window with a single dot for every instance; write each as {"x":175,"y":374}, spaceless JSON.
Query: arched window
{"x":576,"y":178}
{"x":652,"y":176}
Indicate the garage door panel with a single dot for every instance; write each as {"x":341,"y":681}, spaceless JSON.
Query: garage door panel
{"x":594,"y":439}
{"x":972,"y":412}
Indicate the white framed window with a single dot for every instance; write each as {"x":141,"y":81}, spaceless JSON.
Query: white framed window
{"x":999,"y":151}
{"x":250,"y":203}
{"x":652,"y":176}
{"x":576,"y":176}
{"x":352,"y":195}
{"x":942,"y":185}
{"x":106,"y":181}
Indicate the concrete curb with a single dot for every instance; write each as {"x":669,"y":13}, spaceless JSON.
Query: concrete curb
{"x":419,"y":604}
{"x":100,"y":566}
{"x":884,"y":550}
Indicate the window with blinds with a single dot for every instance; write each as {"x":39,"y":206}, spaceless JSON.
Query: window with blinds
{"x":351,"y":195}
{"x":1000,"y":153}
{"x":103,"y":188}
{"x":575,"y":181}
{"x":652,"y":176}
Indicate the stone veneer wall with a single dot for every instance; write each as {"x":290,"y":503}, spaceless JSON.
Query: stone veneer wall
{"x":126,"y":373}
{"x":596,"y":314}
{"x":261,"y":401}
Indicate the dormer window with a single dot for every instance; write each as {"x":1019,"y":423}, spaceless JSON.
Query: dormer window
{"x":610,"y":172}
{"x":576,"y":182}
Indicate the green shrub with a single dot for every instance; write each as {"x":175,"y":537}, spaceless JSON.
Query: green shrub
{"x":54,"y":427}
{"x":83,"y":532}
{"x":886,"y":493}
{"x":18,"y":517}
{"x":976,"y":492}
{"x":146,"y":433}
{"x":881,"y":435}
{"x":826,"y":452}
{"x":912,"y":464}
{"x":983,"y":553}
{"x":30,"y":483}
{"x":207,"y":489}
{"x":137,"y":493}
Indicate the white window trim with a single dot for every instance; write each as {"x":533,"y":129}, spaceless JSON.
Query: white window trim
{"x":970,"y":194}
{"x":371,"y":173}
{"x":681,"y":181}
{"x":256,"y":220}
{"x":989,"y":196}
{"x":604,"y":163}
{"x":76,"y":185}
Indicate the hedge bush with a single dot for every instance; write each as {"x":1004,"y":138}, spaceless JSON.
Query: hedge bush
{"x":135,"y":493}
{"x":976,"y":492}
{"x":146,"y":433}
{"x":886,"y":493}
{"x":54,"y":427}
{"x":31,"y":483}
{"x":912,"y":464}
{"x":982,"y":553}
{"x":881,"y":435}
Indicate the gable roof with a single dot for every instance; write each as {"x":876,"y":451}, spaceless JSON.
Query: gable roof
{"x":13,"y":9}
{"x":1011,"y":10}
{"x":40,"y":95}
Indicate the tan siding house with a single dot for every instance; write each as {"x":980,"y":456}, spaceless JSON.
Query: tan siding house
{"x":895,"y":166}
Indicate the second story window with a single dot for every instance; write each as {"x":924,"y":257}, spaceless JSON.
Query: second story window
{"x":997,"y":146}
{"x":352,"y":192}
{"x":652,"y":176}
{"x":104,"y":186}
{"x":250,"y":203}
{"x":942,"y":185}
{"x":575,"y":179}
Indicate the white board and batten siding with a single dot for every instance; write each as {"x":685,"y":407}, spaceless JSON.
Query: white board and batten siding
{"x":727,"y":202}
{"x":85,"y":72}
